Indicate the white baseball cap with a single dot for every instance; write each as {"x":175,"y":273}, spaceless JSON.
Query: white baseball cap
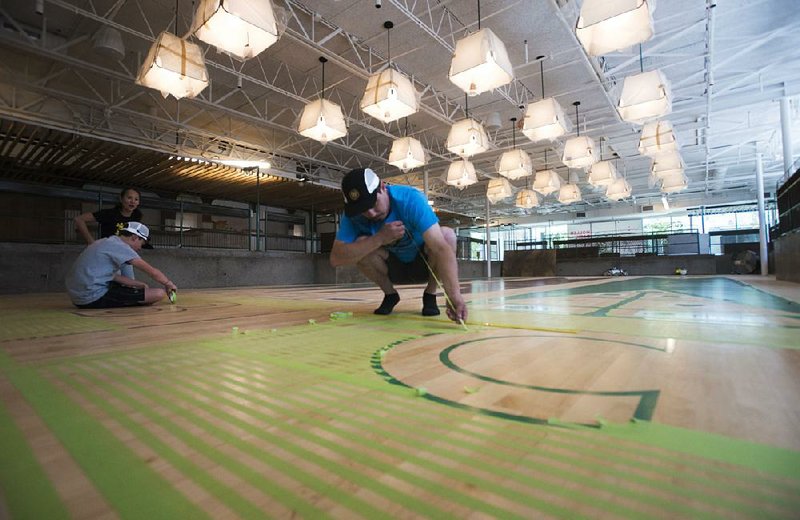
{"x":138,"y":229}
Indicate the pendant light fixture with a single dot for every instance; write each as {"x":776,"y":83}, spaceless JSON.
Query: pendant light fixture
{"x":389,"y":95}
{"x":645,"y":96}
{"x":667,"y":164}
{"x":609,"y":25}
{"x":480,"y":62}
{"x":498,"y":189}
{"x":467,"y":136}
{"x":546,"y":181}
{"x":570,"y":192}
{"x":461,"y":173}
{"x":407,"y":153}
{"x":526,"y":197}
{"x":243,"y":28}
{"x":545,"y":120}
{"x":674,"y":183}
{"x":657,"y":137}
{"x":618,"y":189}
{"x":322,"y":120}
{"x":174,"y":66}
{"x":579,"y":151}
{"x":602,"y":173}
{"x":514,"y":164}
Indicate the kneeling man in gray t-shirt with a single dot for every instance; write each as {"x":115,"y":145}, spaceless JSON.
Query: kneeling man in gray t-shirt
{"x":95,"y":282}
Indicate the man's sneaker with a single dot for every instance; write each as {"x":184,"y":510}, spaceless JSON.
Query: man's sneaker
{"x":429,"y":307}
{"x":388,"y":303}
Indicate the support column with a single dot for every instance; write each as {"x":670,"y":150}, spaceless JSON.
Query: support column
{"x":762,"y":218}
{"x":786,"y":133}
{"x":488,"y":243}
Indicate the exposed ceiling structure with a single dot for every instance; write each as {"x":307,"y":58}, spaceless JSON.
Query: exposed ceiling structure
{"x":60,"y":83}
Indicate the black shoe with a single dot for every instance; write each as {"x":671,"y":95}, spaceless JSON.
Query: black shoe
{"x":429,"y":307}
{"x":388,"y":303}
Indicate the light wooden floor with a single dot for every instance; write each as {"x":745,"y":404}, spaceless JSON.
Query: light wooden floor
{"x":635,"y":397}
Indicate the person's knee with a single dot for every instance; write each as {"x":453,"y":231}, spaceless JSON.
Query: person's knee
{"x":154,"y":295}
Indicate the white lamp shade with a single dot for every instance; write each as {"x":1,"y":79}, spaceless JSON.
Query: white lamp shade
{"x":667,"y":164}
{"x":174,"y":66}
{"x":461,"y":174}
{"x":323,"y":121}
{"x":389,"y":96}
{"x":657,"y":137}
{"x":645,"y":96}
{"x":619,"y":189}
{"x":579,"y":152}
{"x":569,"y":193}
{"x":602,"y":173}
{"x":480,"y":63}
{"x":545,"y":121}
{"x":467,"y":138}
{"x":407,"y":153}
{"x":674,"y":182}
{"x":526,"y":199}
{"x":243,"y":28}
{"x":546,"y":182}
{"x":514,"y":164}
{"x":498,"y":189}
{"x":609,"y":25}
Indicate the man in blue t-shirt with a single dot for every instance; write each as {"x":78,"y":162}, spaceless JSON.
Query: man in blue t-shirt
{"x":393,"y":236}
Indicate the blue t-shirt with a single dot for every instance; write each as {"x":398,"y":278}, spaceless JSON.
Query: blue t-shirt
{"x":407,"y":205}
{"x":90,"y":275}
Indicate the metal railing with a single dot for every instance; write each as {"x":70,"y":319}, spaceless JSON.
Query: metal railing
{"x":41,"y":229}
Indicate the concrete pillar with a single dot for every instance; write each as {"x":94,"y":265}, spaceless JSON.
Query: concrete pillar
{"x":786,"y":133}
{"x":762,"y":218}
{"x":488,"y":243}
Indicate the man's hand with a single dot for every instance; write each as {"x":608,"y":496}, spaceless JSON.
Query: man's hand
{"x":391,"y":232}
{"x":458,"y":310}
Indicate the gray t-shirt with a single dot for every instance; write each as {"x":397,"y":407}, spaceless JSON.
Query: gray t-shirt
{"x":96,"y":266}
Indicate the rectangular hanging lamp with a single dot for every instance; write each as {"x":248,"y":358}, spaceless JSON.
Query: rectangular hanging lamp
{"x":569,"y":193}
{"x":498,"y":189}
{"x":546,"y":182}
{"x":514,"y":164}
{"x":608,"y":25}
{"x":461,"y":173}
{"x":243,"y":28}
{"x":389,"y":96}
{"x":526,"y":199}
{"x":602,"y":173}
{"x":480,"y":63}
{"x":644,"y":97}
{"x":545,"y":121}
{"x":666,"y":164}
{"x":323,"y":121}
{"x":466,"y":138}
{"x":674,"y":182}
{"x":174,"y":66}
{"x":407,"y":153}
{"x":579,"y":152}
{"x":657,"y":137}
{"x":619,"y":189}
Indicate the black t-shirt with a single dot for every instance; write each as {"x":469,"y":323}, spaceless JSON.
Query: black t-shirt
{"x":111,"y":221}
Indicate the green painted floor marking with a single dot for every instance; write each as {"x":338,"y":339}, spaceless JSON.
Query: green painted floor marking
{"x":178,"y":409}
{"x":387,"y":434}
{"x":107,"y":462}
{"x":713,"y":288}
{"x":26,"y":489}
{"x":488,"y":485}
{"x":647,"y":398}
{"x":603,"y":311}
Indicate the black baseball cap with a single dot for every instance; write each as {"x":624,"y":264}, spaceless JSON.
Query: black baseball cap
{"x":360,"y":190}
